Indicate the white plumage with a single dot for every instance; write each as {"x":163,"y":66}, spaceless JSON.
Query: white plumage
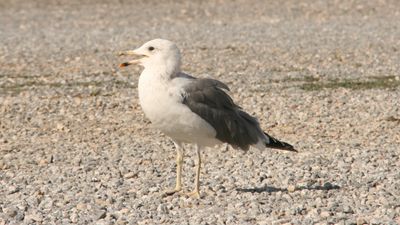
{"x":192,"y":110}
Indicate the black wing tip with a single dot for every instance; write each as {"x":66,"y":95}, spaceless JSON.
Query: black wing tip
{"x":283,"y":146}
{"x":280,"y":145}
{"x":291,"y":149}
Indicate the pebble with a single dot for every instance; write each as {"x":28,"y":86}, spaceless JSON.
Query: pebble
{"x":291,"y":188}
{"x":76,"y":147}
{"x":20,"y":216}
{"x":100,"y":214}
{"x":81,"y":206}
{"x":347,"y":209}
{"x":162,"y":209}
{"x":130,"y":175}
{"x":10,"y":212}
{"x":74,"y":217}
{"x":36,"y":217}
{"x":121,"y":222}
{"x":153,"y":189}
{"x":325,"y":214}
{"x":13,"y":190}
{"x":361,"y":221}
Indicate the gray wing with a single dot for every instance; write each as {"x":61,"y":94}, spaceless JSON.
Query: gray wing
{"x":207,"y":98}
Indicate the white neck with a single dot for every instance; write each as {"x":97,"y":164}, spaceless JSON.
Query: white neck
{"x":163,"y":67}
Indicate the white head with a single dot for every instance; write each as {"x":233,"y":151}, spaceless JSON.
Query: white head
{"x":159,"y":54}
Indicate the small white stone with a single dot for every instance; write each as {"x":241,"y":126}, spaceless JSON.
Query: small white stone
{"x":291,"y":188}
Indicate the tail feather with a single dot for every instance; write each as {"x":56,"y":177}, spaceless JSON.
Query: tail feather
{"x":272,"y":142}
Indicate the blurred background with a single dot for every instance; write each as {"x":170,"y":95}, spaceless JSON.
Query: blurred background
{"x":269,"y":38}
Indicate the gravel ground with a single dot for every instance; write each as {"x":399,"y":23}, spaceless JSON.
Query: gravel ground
{"x":76,"y":148}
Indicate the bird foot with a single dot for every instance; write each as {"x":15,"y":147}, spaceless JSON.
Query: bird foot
{"x":194,"y":194}
{"x":171,"y":191}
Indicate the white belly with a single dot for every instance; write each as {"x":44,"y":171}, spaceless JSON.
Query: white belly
{"x":162,"y":105}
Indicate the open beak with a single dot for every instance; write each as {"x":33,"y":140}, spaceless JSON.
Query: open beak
{"x":131,"y":52}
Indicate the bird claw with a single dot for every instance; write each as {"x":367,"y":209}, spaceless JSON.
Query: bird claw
{"x":193,"y":194}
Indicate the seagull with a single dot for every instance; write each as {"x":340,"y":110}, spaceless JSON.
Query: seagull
{"x":192,"y":110}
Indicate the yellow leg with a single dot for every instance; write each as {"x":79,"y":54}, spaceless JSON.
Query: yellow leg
{"x":179,"y":162}
{"x":196,"y":192}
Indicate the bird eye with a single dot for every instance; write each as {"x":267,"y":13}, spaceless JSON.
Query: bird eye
{"x":151,"y":48}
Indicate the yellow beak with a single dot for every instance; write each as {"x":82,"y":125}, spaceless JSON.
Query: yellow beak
{"x":130,"y":52}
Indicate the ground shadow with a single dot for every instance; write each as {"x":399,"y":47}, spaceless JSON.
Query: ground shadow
{"x":270,"y":189}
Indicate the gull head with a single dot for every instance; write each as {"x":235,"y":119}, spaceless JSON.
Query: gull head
{"x":157,"y":53}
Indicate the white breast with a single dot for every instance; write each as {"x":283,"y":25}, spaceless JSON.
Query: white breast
{"x":161,"y":101}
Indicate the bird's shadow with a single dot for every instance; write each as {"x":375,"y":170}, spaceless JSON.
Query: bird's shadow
{"x":270,"y":189}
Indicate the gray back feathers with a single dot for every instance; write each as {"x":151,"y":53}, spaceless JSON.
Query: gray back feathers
{"x":207,"y":98}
